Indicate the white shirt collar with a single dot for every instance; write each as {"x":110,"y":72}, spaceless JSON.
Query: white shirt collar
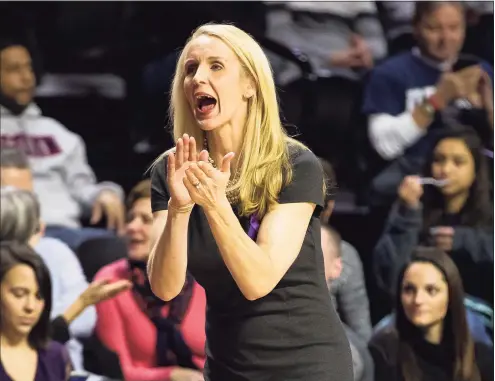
{"x":442,"y":66}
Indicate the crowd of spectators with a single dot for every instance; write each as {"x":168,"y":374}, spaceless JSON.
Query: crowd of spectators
{"x":396,"y":98}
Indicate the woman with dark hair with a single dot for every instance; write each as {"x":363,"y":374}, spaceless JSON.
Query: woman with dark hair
{"x":431,"y":339}
{"x":450,"y":208}
{"x":27,"y":352}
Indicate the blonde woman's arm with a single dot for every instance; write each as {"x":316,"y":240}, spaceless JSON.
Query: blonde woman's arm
{"x":172,"y":206}
{"x":167,"y":263}
{"x":258,"y":266}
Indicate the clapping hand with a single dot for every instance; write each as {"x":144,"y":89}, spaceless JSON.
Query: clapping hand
{"x":177,"y":162}
{"x":460,"y":84}
{"x":207,"y":185}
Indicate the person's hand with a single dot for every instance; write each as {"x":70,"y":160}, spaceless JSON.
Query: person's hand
{"x":108,"y":203}
{"x":184,"y":374}
{"x":206,"y":185}
{"x":461,"y":84}
{"x":347,"y":58}
{"x":486,"y":92}
{"x":177,"y":163}
{"x":100,"y":290}
{"x":443,"y":237}
{"x":410,"y":191}
{"x":359,"y":44}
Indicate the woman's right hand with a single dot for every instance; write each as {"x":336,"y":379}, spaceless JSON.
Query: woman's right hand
{"x":97,"y":291}
{"x":177,"y":163}
{"x":410,"y":191}
{"x":184,"y":374}
{"x":100,"y":290}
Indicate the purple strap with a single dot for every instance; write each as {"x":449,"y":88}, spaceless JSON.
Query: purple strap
{"x":487,"y":152}
{"x":254,"y":226}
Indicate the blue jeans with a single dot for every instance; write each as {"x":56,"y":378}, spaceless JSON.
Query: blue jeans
{"x":74,"y":237}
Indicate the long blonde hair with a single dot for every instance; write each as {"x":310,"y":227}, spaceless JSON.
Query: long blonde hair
{"x":264,"y":162}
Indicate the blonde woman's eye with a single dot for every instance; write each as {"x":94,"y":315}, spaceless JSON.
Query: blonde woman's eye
{"x":216,"y":67}
{"x":190,"y":69}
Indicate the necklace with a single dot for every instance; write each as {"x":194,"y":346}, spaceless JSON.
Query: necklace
{"x":232,"y":194}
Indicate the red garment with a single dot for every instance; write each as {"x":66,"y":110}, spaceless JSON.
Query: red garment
{"x":124,"y":328}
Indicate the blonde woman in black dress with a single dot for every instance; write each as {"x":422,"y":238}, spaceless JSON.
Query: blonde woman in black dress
{"x":236,"y":203}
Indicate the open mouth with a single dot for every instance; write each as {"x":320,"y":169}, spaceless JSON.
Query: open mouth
{"x":205,"y":103}
{"x":136,"y":241}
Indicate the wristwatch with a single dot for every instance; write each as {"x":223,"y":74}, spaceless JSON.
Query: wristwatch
{"x":428,"y":108}
{"x":430,"y":105}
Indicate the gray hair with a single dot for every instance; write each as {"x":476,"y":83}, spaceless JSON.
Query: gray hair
{"x":19,"y":214}
{"x":11,"y":157}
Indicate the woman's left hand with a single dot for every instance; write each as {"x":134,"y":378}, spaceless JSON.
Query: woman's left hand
{"x":207,"y":185}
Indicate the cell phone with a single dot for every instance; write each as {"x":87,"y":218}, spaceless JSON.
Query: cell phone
{"x":465,"y":62}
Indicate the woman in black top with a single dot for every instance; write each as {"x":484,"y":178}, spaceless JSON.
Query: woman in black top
{"x":456,"y":217}
{"x":431,"y":340}
{"x":248,"y":231}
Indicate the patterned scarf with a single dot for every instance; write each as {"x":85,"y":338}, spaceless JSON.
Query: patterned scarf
{"x":170,"y":346}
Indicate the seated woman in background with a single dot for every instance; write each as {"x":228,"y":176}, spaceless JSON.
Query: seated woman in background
{"x":431,"y":339}
{"x":456,"y":217}
{"x":155,"y":340}
{"x":25,"y":304}
{"x":73,"y":313}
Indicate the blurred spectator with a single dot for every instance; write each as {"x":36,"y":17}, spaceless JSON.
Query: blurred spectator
{"x":346,"y":281}
{"x":456,"y":217}
{"x":396,"y":17}
{"x":430,"y":340}
{"x":343,"y":267}
{"x":345,"y":278}
{"x":155,"y":340}
{"x":410,"y":97}
{"x":63,"y":180}
{"x":340,"y":38}
{"x":73,"y":313}
{"x":25,"y":289}
{"x":331,"y":191}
